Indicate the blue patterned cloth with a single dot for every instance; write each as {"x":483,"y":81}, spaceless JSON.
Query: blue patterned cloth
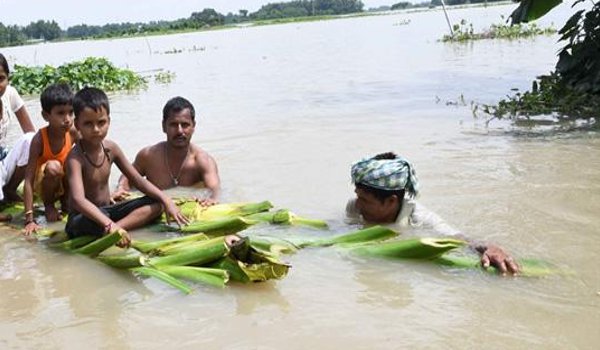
{"x":386,"y":174}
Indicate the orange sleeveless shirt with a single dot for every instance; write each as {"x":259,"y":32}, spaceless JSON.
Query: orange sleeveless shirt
{"x":47,"y":154}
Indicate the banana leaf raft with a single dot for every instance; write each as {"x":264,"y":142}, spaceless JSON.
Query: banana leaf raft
{"x":201,"y":254}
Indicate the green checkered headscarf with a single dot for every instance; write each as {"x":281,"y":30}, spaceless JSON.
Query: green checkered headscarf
{"x":386,"y":174}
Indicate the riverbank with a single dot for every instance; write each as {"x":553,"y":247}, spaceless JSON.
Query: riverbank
{"x":271,"y":22}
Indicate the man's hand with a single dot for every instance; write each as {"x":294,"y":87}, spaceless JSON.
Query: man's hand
{"x":206,"y":202}
{"x":492,"y":255}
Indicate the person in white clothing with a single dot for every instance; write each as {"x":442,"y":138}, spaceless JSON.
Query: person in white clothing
{"x":386,"y":187}
{"x":13,"y":160}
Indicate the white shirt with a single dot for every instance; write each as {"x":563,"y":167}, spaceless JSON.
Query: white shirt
{"x":412,"y":214}
{"x":11,"y":103}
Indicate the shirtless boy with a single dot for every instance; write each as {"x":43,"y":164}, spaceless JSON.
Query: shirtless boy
{"x":176,"y":161}
{"x":88,"y":171}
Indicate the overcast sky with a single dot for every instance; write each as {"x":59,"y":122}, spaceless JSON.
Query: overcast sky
{"x":72,"y":12}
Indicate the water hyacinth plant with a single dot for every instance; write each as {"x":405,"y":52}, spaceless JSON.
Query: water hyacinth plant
{"x":463,"y":31}
{"x":92,"y":71}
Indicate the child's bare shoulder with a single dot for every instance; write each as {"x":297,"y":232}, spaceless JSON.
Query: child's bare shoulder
{"x":75,"y":154}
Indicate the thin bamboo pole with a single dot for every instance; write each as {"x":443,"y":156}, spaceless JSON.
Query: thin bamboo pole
{"x":447,"y":19}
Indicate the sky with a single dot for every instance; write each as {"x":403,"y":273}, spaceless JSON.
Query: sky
{"x":97,"y":12}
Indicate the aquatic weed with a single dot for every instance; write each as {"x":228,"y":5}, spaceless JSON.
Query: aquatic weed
{"x":93,"y":71}
{"x":464,"y":31}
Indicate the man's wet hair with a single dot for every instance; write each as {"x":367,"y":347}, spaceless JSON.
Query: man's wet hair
{"x":379,"y":193}
{"x":176,"y":105}
{"x":90,"y":97}
{"x":56,"y":95}
{"x":386,"y":156}
{"x":4,"y":64}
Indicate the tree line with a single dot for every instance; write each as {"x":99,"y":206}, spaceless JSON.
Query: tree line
{"x":43,"y":30}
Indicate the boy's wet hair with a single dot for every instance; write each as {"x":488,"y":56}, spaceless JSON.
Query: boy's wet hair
{"x":90,"y":97}
{"x":4,"y":64}
{"x":176,"y":105}
{"x":56,"y":95}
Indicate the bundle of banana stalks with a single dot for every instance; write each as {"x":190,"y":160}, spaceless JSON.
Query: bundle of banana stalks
{"x":206,"y":251}
{"x":222,"y":219}
{"x":194,"y":258}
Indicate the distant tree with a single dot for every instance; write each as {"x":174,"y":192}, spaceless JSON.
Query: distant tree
{"x":46,"y":30}
{"x":401,"y":5}
{"x":11,"y":35}
{"x":207,"y":17}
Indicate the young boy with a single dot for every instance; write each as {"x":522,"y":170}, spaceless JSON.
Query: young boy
{"x":88,"y":170}
{"x":50,"y":146}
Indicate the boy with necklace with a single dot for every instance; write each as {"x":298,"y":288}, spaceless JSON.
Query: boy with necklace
{"x":176,"y":161}
{"x":88,"y":170}
{"x":50,"y":147}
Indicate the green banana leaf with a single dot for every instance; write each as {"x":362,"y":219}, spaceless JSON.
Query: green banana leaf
{"x":272,"y":245}
{"x":414,"y":248}
{"x":246,"y":264}
{"x":286,"y":217}
{"x":374,"y":233}
{"x":222,"y":226}
{"x":528,"y":267}
{"x":191,"y":209}
{"x":148,"y":247}
{"x":213,"y":277}
{"x":164,"y":277}
{"x":530,"y":10}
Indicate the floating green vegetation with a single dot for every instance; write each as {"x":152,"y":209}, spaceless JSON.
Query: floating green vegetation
{"x":548,"y":95}
{"x":165,"y":77}
{"x":464,"y":32}
{"x":572,"y":91}
{"x":93,"y":71}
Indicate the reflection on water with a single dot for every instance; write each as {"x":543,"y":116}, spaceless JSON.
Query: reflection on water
{"x":285,"y":110}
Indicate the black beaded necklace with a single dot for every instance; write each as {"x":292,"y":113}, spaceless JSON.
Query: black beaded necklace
{"x":87,"y":157}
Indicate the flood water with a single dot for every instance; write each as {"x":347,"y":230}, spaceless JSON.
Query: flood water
{"x":285,"y":110}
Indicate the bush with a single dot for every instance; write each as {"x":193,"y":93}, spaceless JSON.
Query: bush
{"x":93,"y":71}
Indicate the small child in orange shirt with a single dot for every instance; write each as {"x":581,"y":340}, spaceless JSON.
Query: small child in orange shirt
{"x":45,"y":173}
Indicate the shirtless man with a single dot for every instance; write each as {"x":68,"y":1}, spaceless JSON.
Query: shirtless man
{"x":176,"y":161}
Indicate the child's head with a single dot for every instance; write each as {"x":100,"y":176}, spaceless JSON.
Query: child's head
{"x":4,"y":64}
{"x":176,"y":105}
{"x":92,"y":114}
{"x":92,"y":98}
{"x":4,"y":72}
{"x":55,"y":95}
{"x":57,"y":106}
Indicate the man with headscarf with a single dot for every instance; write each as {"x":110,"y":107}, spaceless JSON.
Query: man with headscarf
{"x":386,"y":187}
